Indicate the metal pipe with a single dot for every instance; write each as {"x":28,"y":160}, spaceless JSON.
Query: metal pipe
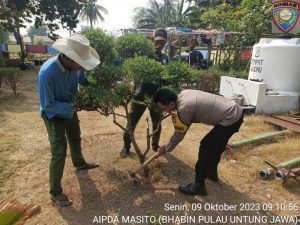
{"x":259,"y":138}
{"x":285,"y":174}
{"x":265,"y":173}
{"x":286,"y":165}
{"x":279,"y":175}
{"x":291,"y":173}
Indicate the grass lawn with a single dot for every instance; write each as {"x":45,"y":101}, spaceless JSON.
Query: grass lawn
{"x":108,"y":191}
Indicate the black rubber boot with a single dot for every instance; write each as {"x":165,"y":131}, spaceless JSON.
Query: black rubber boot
{"x":193,"y":189}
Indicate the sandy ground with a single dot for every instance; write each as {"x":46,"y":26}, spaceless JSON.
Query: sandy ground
{"x":107,"y":196}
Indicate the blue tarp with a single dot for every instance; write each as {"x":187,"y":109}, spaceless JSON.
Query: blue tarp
{"x":182,"y":29}
{"x":52,"y":51}
{"x":3,"y":47}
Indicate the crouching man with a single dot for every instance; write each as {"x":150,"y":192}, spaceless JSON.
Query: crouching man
{"x":193,"y":106}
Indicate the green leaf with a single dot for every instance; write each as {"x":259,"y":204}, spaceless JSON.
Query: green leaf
{"x":8,"y":217}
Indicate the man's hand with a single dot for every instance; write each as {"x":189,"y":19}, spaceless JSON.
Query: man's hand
{"x":161,"y":151}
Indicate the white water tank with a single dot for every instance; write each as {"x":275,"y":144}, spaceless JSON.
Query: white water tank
{"x":276,"y":62}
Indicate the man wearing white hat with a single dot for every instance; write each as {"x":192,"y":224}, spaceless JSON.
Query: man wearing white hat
{"x":58,"y":81}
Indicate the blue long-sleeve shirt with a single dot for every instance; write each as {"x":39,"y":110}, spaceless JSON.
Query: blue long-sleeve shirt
{"x":56,"y":85}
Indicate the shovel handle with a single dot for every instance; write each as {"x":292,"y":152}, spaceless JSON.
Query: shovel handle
{"x":155,"y":156}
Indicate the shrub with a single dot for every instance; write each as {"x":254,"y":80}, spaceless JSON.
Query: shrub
{"x":142,"y":69}
{"x":13,"y":62}
{"x":209,"y":80}
{"x":105,"y":92}
{"x":101,"y":42}
{"x":241,"y":73}
{"x":178,"y":73}
{"x":131,"y":45}
{"x":2,"y":62}
{"x":234,"y":65}
{"x":106,"y":76}
{"x":11,"y":76}
{"x":93,"y":98}
{"x":110,"y":85}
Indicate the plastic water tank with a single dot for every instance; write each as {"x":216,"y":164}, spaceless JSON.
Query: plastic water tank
{"x":276,"y":62}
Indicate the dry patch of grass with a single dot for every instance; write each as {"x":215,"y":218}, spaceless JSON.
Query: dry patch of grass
{"x":8,"y":144}
{"x":242,"y":167}
{"x":25,"y":155}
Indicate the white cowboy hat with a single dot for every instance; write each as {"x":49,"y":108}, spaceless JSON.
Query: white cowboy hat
{"x":77,"y":48}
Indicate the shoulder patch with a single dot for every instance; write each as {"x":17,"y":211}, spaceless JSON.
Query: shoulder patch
{"x":179,"y":126}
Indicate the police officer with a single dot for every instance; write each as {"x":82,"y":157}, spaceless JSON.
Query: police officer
{"x":160,"y":38}
{"x":193,"y":106}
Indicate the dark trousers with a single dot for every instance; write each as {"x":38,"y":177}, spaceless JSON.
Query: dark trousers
{"x":135,"y":114}
{"x":58,"y":129}
{"x":211,"y":149}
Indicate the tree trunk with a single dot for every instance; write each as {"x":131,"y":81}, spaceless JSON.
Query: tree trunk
{"x":91,"y":23}
{"x":20,"y":42}
{"x":1,"y":55}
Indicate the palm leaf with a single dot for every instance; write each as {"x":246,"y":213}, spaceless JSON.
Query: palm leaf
{"x":14,"y":212}
{"x":102,"y":9}
{"x":91,"y":12}
{"x":9,"y":217}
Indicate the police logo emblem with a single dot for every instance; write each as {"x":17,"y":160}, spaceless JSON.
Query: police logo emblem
{"x":285,"y":14}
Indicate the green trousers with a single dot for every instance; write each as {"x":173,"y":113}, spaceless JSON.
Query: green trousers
{"x":58,"y":129}
{"x":135,"y":114}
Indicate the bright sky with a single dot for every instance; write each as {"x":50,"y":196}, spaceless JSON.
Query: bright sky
{"x":119,"y":15}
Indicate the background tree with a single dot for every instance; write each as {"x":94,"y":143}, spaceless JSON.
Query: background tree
{"x":37,"y":31}
{"x":131,"y":45}
{"x":254,"y":19}
{"x":162,"y":14}
{"x":206,"y":4}
{"x":137,"y":15}
{"x":152,"y":16}
{"x":250,"y":17}
{"x":168,"y":7}
{"x":3,"y":36}
{"x":3,"y":39}
{"x":180,"y":14}
{"x":53,"y":13}
{"x":92,"y":12}
{"x":199,"y":7}
{"x":14,"y":14}
{"x":220,"y":17}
